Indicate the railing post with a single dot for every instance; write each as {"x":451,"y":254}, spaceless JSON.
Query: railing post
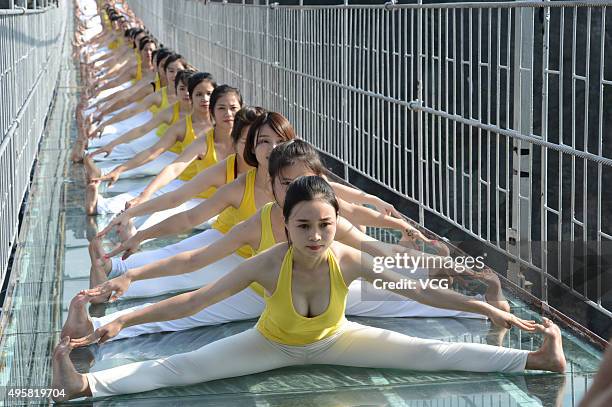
{"x":345,"y":58}
{"x":420,"y":136}
{"x":520,"y":228}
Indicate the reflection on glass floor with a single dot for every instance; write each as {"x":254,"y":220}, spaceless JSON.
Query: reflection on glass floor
{"x":52,"y":264}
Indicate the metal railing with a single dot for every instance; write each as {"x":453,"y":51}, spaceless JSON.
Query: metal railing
{"x":493,"y":116}
{"x":29,"y":66}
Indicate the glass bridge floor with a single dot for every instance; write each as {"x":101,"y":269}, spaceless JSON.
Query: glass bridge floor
{"x":52,"y":264}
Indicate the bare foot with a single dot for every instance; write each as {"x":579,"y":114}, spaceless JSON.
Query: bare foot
{"x":550,"y":355}
{"x":97,"y":255}
{"x":91,"y":198}
{"x":494,"y":294}
{"x":78,"y":323}
{"x":76,"y":155}
{"x":127,"y":230}
{"x":90,"y":168}
{"x":65,"y":377}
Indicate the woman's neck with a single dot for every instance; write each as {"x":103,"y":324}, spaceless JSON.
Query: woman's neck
{"x":199,"y":116}
{"x":308,"y":262}
{"x":242,"y":165}
{"x":170,"y":91}
{"x":184,"y":106}
{"x":222,"y":134}
{"x":262,"y":179}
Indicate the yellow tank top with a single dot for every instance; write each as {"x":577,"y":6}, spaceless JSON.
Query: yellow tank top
{"x":138,"y":67}
{"x":190,"y":136}
{"x":198,"y":165}
{"x":267,"y":235}
{"x":281,"y":323}
{"x":114,"y":44}
{"x":157,"y":81}
{"x":230,"y":172}
{"x":164,"y":102}
{"x":176,"y":115}
{"x":232,"y":216}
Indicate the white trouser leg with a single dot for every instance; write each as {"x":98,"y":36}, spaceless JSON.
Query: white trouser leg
{"x":245,"y":353}
{"x":153,"y":167}
{"x":126,"y":151}
{"x":145,"y":222}
{"x":365,"y":346}
{"x":366,"y":301}
{"x":183,"y":282}
{"x":116,"y":204}
{"x":239,"y":307}
{"x":205,"y":238}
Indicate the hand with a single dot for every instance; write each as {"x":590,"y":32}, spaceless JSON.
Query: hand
{"x":506,"y":320}
{"x":111,"y":177}
{"x":118,"y":221}
{"x":115,"y":287}
{"x":386,"y":208}
{"x":96,"y":132}
{"x":128,"y":247}
{"x":136,"y":201}
{"x":411,"y":237}
{"x":106,"y":149}
{"x":100,"y":335}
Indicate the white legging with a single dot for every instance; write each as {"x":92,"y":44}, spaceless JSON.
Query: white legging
{"x":153,"y":167}
{"x":116,"y":204}
{"x":139,"y":259}
{"x":353,"y":345}
{"x":183,"y":282}
{"x":125,"y":151}
{"x":113,"y":131}
{"x":248,"y":305}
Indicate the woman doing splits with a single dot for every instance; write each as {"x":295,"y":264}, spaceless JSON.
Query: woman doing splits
{"x":305,"y":285}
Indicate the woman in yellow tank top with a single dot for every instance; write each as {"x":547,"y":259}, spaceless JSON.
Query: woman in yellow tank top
{"x":146,"y":135}
{"x":155,"y":158}
{"x":260,"y":232}
{"x":154,"y":102}
{"x":233,"y":202}
{"x":305,"y":283}
{"x":203,"y":185}
{"x":102,"y":106}
{"x":214,"y":146}
{"x":105,"y":109}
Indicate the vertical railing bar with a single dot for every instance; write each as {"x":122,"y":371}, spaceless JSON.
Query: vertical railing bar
{"x":573,"y":158}
{"x":479,"y":131}
{"x":600,"y":152}
{"x":585,"y":183}
{"x":420,"y":113}
{"x":544,"y":163}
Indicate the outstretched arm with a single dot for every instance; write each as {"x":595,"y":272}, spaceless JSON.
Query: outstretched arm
{"x":424,"y":293}
{"x":182,"y":305}
{"x":229,"y":195}
{"x":245,"y":233}
{"x":211,"y":177}
{"x":147,"y":155}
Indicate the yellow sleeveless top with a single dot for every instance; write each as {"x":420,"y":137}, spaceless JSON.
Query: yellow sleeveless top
{"x":267,"y":235}
{"x":138,"y":67}
{"x":281,"y":323}
{"x":230,"y":172}
{"x":157,"y":81}
{"x":114,"y":44}
{"x":232,"y":216}
{"x":176,"y":115}
{"x":164,"y":102}
{"x":190,"y":136}
{"x":266,"y":241}
{"x":198,"y":165}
